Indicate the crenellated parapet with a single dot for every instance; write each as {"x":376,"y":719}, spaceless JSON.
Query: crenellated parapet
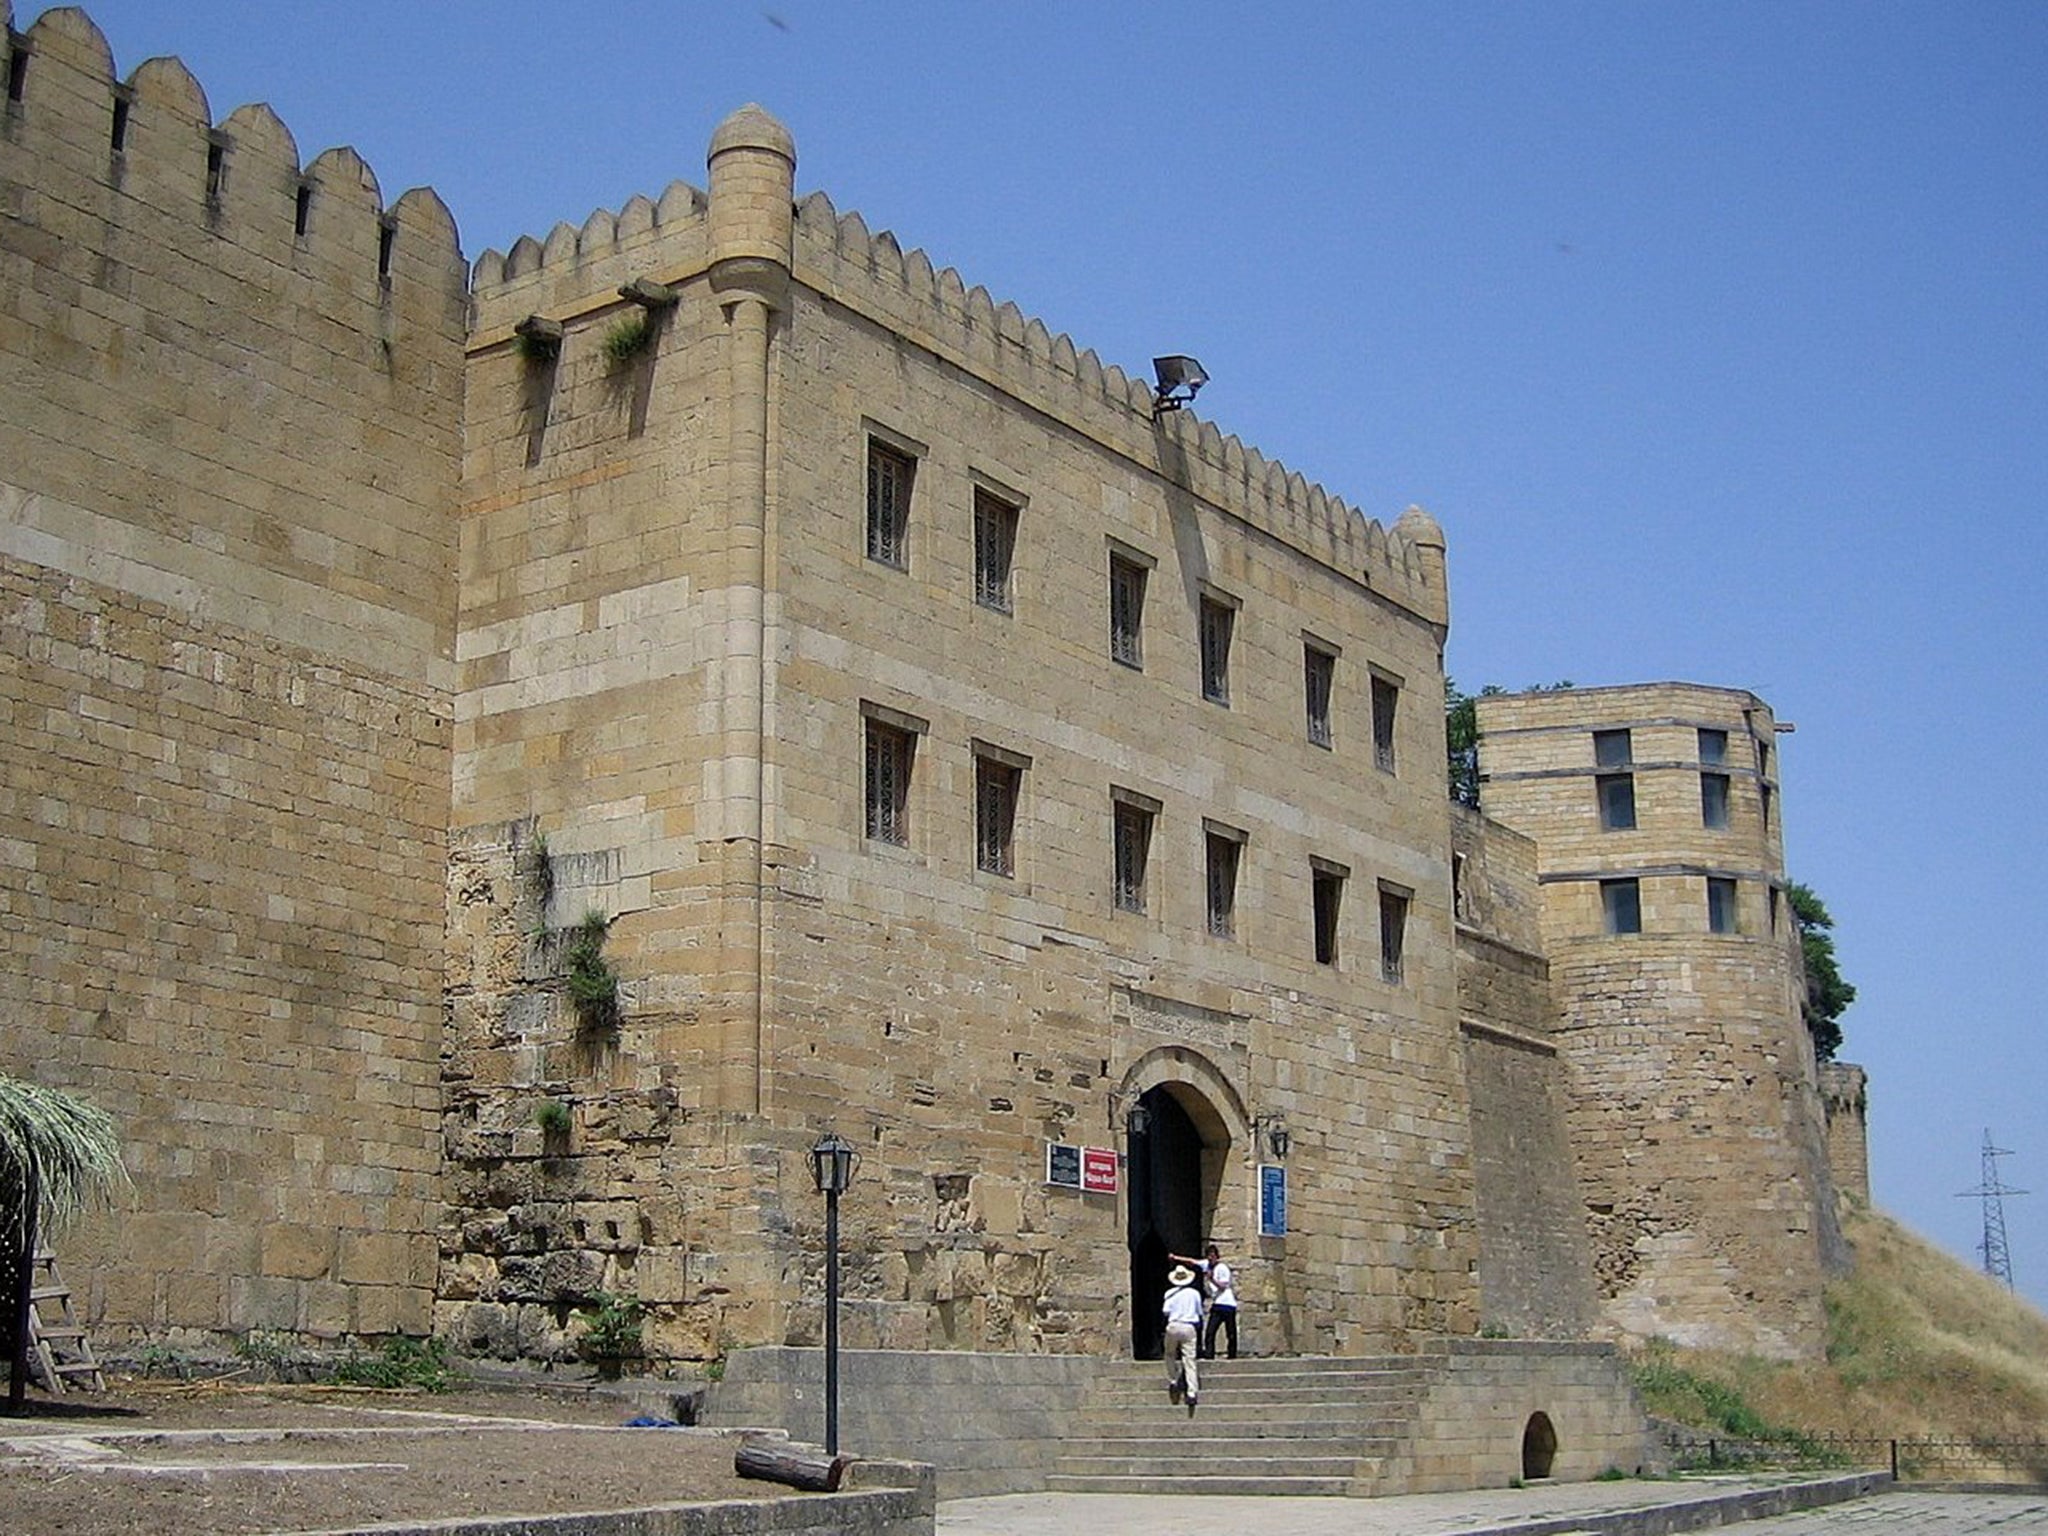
{"x":83,"y":148}
{"x":577,"y":271}
{"x":873,"y":275}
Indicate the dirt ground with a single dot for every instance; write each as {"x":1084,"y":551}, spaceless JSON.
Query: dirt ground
{"x":154,"y":1459}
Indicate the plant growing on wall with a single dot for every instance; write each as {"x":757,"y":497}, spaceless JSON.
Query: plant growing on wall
{"x":629,"y":337}
{"x":553,"y":1117}
{"x":593,"y":982}
{"x":611,"y":1330}
{"x":538,"y":349}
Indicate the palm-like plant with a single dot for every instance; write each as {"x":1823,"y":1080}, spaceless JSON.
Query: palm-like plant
{"x":58,"y":1156}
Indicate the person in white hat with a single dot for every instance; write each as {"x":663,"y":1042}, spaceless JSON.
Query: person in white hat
{"x":1183,"y":1309}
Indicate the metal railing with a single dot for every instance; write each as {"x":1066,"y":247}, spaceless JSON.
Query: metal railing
{"x":1909,"y":1459}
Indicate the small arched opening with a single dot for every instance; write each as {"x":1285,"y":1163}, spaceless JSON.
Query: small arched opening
{"x":1539,"y":1447}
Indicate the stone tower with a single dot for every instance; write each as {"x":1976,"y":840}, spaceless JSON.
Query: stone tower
{"x":1675,"y":971}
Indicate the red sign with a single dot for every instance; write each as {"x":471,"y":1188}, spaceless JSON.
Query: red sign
{"x":1098,"y":1171}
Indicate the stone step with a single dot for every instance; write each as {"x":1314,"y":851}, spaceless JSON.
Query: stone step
{"x":1376,"y":1440}
{"x":1130,"y":1393}
{"x":1197,"y":1483}
{"x":1171,"y":1462}
{"x":1288,"y":1418}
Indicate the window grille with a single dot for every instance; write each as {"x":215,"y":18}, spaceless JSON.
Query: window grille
{"x":1133,"y":836}
{"x":890,"y":474}
{"x":1386,"y":700}
{"x":1216,"y":622}
{"x":889,"y":756}
{"x":1393,"y":936}
{"x":995,"y":816}
{"x":995,"y":540}
{"x":1126,"y":611}
{"x":1319,"y":673}
{"x":1223,"y":858}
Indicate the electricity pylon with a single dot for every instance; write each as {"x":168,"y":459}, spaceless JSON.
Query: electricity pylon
{"x":1997,"y":1259}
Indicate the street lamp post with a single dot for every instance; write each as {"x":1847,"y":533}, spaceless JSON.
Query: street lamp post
{"x":832,"y":1161}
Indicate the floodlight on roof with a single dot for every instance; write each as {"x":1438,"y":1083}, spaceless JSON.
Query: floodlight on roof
{"x":1179,"y":380}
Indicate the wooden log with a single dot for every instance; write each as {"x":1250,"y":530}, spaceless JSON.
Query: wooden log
{"x":785,"y":1461}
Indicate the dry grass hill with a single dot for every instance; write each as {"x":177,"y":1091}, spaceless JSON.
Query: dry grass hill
{"x":1920,"y":1347}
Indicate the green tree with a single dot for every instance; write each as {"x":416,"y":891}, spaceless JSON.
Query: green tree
{"x":1827,"y":994}
{"x":1461,"y":734}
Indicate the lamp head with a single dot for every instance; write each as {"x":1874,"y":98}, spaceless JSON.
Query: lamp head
{"x":1180,"y":379}
{"x":832,"y":1163}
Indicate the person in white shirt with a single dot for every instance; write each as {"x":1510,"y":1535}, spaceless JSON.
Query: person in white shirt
{"x":1183,"y":1310}
{"x":1222,"y":1289}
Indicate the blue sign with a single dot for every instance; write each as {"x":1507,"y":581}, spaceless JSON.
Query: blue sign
{"x":1272,"y":1200}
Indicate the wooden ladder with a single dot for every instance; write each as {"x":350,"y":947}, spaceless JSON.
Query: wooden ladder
{"x":58,"y":1347}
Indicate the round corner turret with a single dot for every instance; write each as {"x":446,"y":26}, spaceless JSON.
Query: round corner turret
{"x":752,"y":207}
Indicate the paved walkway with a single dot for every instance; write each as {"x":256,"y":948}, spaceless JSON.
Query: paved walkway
{"x":1489,"y":1512}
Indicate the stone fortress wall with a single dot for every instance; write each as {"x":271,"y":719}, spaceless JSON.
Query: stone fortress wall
{"x":1696,"y":1119}
{"x":370,"y":655}
{"x":952,"y":1020}
{"x":228,"y":462}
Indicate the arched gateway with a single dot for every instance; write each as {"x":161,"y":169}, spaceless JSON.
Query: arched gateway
{"x":1178,"y":1134}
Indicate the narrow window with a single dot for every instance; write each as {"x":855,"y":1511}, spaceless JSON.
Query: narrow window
{"x":1764,"y":797}
{"x":1386,"y":700}
{"x":1132,"y":824}
{"x":387,"y":240}
{"x":1393,"y":934}
{"x":17,"y":71}
{"x":1721,"y":913}
{"x":302,"y":215}
{"x":216,"y":169}
{"x":890,"y":752}
{"x":1223,"y":849}
{"x":118,"y":139}
{"x":1617,"y":801}
{"x":1216,"y":621}
{"x":1713,"y":747}
{"x":1714,"y":801}
{"x":1458,"y":885}
{"x":995,"y":815}
{"x":1612,"y":749}
{"x":1773,"y":909}
{"x":1621,"y":904}
{"x":995,"y":540}
{"x":890,"y":474}
{"x":1126,"y":611}
{"x":1319,"y":673}
{"x":1328,"y":897}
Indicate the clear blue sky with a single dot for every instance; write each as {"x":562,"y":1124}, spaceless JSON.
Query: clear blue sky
{"x":1716,"y":336}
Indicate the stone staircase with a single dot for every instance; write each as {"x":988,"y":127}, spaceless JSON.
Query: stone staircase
{"x":1304,"y":1425}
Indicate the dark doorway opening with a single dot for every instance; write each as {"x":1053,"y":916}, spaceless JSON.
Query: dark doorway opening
{"x":1539,"y":1446}
{"x":1163,"y":1168}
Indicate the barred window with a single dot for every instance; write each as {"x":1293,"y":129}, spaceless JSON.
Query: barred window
{"x":1328,"y":896}
{"x":995,"y":815}
{"x":1393,"y":935}
{"x":1217,"y":619}
{"x":1224,"y":849}
{"x":890,"y":473}
{"x":995,"y":540}
{"x":1133,"y":838}
{"x":1319,"y":674}
{"x":890,"y":753}
{"x":1126,"y":611}
{"x":1386,"y":702}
